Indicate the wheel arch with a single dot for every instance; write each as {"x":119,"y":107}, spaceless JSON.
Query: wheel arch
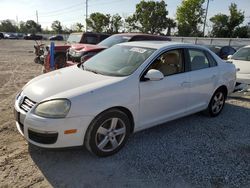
{"x":124,"y":110}
{"x":223,"y":88}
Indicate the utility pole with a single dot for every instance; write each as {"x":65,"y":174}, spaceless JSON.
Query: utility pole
{"x":36,"y":16}
{"x":86,"y":15}
{"x":205,"y":21}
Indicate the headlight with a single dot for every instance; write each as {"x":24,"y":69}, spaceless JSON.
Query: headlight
{"x":57,"y":108}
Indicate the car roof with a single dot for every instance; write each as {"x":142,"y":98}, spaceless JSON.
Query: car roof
{"x":140,"y":34}
{"x":161,"y":44}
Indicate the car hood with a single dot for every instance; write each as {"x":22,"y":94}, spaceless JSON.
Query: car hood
{"x":244,"y":66}
{"x":86,"y":47}
{"x":57,"y":83}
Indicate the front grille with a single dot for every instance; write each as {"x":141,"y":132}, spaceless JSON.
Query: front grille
{"x":27,"y":104}
{"x":43,"y":138}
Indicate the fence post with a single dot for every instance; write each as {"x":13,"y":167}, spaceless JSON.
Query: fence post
{"x":52,"y":56}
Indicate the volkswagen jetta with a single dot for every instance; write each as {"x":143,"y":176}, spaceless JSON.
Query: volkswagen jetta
{"x":124,"y":89}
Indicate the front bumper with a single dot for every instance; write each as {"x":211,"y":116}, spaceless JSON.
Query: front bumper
{"x":50,"y":133}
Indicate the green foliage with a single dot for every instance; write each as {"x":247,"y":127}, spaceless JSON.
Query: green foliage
{"x":8,"y":26}
{"x":190,"y":16}
{"x":229,"y":25}
{"x":242,"y":32}
{"x":220,"y":28}
{"x":98,"y":22}
{"x":115,"y":23}
{"x":79,"y":27}
{"x":56,"y":26}
{"x":32,"y":27}
{"x":149,"y":17}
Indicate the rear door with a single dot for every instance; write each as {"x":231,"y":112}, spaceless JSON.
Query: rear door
{"x":203,"y":77}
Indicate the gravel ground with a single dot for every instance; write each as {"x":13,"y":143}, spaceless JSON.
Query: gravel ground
{"x":195,"y":151}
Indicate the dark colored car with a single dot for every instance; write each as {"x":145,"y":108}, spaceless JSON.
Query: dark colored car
{"x":225,"y":51}
{"x":73,"y":39}
{"x":56,"y":37}
{"x":1,"y":36}
{"x":33,"y":37}
{"x":81,"y":52}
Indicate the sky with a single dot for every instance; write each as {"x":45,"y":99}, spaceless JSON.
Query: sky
{"x":69,"y":12}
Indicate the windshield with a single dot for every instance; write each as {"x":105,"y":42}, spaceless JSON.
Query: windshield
{"x":118,"y":60}
{"x":115,"y":39}
{"x":242,"y":54}
{"x":74,"y":38}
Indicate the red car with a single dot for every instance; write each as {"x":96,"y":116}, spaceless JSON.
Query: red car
{"x":81,"y":52}
{"x":78,"y":53}
{"x":74,"y":38}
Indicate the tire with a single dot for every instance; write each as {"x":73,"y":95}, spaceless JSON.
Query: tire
{"x":107,"y":133}
{"x":216,"y":103}
{"x":60,"y":61}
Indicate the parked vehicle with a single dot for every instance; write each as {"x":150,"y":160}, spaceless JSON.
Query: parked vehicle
{"x":74,"y":38}
{"x":10,"y":36}
{"x":241,"y":59}
{"x":56,"y":37}
{"x":82,"y":52}
{"x":225,"y":51}
{"x":33,"y":37}
{"x":1,"y":36}
{"x":124,"y":89}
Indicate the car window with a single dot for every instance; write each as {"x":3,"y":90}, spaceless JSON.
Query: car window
{"x":74,"y":38}
{"x":91,"y":39}
{"x":102,"y":37}
{"x":198,"y":59}
{"x":114,"y":39}
{"x":212,"y":61}
{"x":169,"y":63}
{"x":242,"y":54}
{"x":118,"y":60}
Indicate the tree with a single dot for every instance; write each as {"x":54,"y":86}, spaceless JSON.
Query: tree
{"x":149,"y":17}
{"x":228,"y":25}
{"x":8,"y":26}
{"x":171,"y":24}
{"x":98,"y":22}
{"x":32,"y":27}
{"x":235,"y":19}
{"x":56,"y":26}
{"x":190,"y":16}
{"x":241,"y":32}
{"x":79,"y":27}
{"x":219,"y":28}
{"x":115,"y":23}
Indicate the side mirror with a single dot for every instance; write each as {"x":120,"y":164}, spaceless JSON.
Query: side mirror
{"x":154,"y":75}
{"x":229,"y":57}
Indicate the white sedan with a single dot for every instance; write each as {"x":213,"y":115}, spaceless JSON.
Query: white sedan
{"x":241,"y":59}
{"x":124,"y":89}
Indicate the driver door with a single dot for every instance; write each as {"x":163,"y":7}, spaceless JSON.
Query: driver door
{"x":165,"y":99}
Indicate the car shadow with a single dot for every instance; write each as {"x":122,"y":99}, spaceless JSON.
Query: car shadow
{"x":192,"y":151}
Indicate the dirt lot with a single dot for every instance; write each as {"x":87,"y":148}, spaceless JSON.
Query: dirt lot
{"x":195,"y":151}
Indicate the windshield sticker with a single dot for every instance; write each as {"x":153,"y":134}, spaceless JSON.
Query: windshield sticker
{"x":139,"y":50}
